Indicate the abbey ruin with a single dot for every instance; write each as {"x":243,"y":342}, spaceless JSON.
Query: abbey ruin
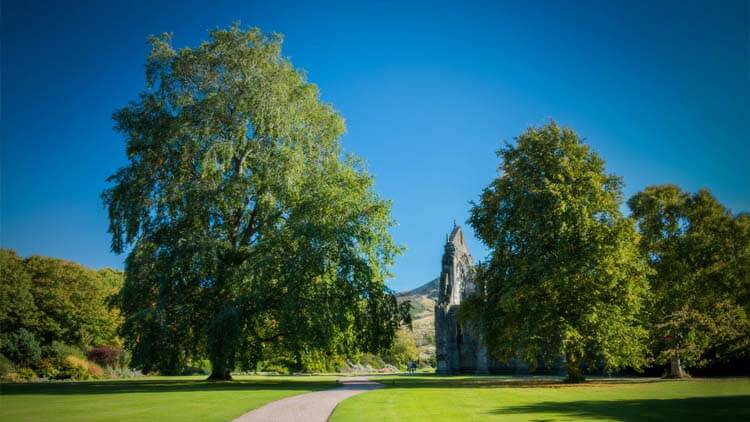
{"x":458,"y":345}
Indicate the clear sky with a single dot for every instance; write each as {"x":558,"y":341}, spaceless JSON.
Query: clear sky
{"x":429,"y":91}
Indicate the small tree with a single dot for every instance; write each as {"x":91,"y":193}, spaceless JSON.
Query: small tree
{"x":23,"y":348}
{"x":403,"y":350}
{"x":699,"y":253}
{"x":564,"y":276}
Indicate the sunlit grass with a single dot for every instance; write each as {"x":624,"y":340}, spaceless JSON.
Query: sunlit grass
{"x":437,"y":398}
{"x":150,"y":398}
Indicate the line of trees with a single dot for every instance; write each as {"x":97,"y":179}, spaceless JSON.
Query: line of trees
{"x":569,"y":275}
{"x":52,"y":311}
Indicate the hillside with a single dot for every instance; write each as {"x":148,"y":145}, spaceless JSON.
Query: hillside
{"x":423,"y":300}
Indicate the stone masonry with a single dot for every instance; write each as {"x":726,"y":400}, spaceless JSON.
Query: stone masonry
{"x":458,"y":345}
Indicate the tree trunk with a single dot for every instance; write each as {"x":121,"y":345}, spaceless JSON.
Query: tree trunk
{"x":223,"y":336}
{"x":220,"y":376}
{"x":573,"y":365}
{"x":676,"y":370}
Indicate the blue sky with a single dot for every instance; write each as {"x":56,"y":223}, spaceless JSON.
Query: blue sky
{"x":429,"y":91}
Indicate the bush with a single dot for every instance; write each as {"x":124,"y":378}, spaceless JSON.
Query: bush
{"x":268,"y":367}
{"x":105,"y":355}
{"x":23,"y":348}
{"x":123,"y":361}
{"x":197,"y":367}
{"x":26,"y":374}
{"x":374,"y":361}
{"x":77,"y":368}
{"x":6,"y":366}
{"x":47,"y":368}
{"x":121,"y":372}
{"x":95,"y":370}
{"x":59,"y":351}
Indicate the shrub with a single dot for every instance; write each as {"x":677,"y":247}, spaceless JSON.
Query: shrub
{"x":47,"y":368}
{"x":123,"y":361}
{"x":276,"y":368}
{"x":59,"y":351}
{"x":26,"y":374}
{"x":121,"y":372}
{"x":105,"y":355}
{"x":73,"y":367}
{"x":95,"y":370}
{"x":374,"y":361}
{"x":23,"y":348}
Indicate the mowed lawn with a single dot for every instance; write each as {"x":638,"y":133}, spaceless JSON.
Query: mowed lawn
{"x":149,"y":398}
{"x":435,"y":398}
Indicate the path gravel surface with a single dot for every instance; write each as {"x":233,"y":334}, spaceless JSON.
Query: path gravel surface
{"x":310,"y":407}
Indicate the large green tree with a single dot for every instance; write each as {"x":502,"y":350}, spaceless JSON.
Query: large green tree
{"x":699,"y":287}
{"x":248,"y":229}
{"x":564,"y":276}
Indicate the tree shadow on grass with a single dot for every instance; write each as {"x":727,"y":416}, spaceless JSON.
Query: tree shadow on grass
{"x":159,"y":386}
{"x":501,"y":382}
{"x":726,"y":408}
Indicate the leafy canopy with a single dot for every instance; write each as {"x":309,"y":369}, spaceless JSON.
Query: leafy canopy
{"x":700,"y":285}
{"x":249,"y":233}
{"x":564,"y":276}
{"x":45,"y":300}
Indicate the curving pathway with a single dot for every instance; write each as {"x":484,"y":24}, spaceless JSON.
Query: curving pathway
{"x":309,"y":407}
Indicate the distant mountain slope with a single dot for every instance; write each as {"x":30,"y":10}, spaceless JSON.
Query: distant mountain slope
{"x":423,"y":300}
{"x":429,"y":289}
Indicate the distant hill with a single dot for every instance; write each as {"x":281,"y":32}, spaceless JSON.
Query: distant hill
{"x":423,"y":300}
{"x":429,"y":289}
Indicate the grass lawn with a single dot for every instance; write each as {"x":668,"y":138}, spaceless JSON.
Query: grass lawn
{"x":436,"y":398}
{"x":149,"y":398}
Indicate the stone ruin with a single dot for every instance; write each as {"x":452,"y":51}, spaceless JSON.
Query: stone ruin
{"x":458,"y":345}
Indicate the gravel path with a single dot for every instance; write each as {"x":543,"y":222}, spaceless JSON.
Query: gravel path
{"x":310,"y":407}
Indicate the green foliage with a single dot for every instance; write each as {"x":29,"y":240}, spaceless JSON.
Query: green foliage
{"x":57,"y":300}
{"x":59,"y":351}
{"x":375,"y":361}
{"x":249,"y":233}
{"x":46,"y":304}
{"x":26,"y":374}
{"x":74,"y":368}
{"x":700,"y":254}
{"x":17,"y":308}
{"x":6,"y":366}
{"x":48,"y":368}
{"x":403,"y":350}
{"x":73,"y":301}
{"x":564,"y":276}
{"x":23,"y":348}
